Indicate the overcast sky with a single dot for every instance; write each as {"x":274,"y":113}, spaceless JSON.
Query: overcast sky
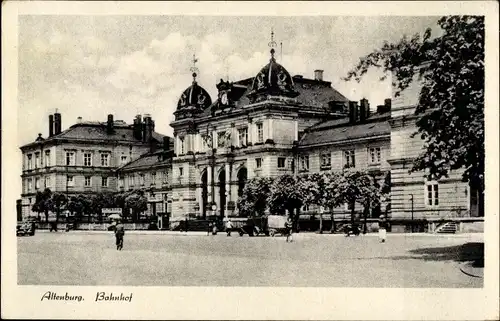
{"x":91,"y":66}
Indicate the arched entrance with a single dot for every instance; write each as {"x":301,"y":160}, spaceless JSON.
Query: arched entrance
{"x":204,"y":193}
{"x":242,"y":179}
{"x":222,"y":192}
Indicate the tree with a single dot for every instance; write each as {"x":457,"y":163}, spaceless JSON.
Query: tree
{"x":39,"y":204}
{"x":43,"y":203}
{"x":286,"y":194}
{"x":253,"y":201}
{"x":330,"y":194}
{"x":137,"y":202}
{"x":312,"y":186}
{"x":357,"y":187}
{"x":79,"y":205}
{"x":100,"y":201}
{"x":451,"y":101}
{"x":57,"y":202}
{"x":370,"y":195}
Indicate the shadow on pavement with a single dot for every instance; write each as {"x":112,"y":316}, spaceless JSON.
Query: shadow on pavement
{"x":468,"y":252}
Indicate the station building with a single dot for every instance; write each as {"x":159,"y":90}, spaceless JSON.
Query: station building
{"x":267,"y":125}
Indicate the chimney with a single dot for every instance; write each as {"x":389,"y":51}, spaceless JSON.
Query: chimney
{"x":318,"y":74}
{"x":364,"y":109}
{"x":166,"y":143}
{"x":146,"y":124}
{"x":380,"y":109}
{"x":387,"y":104}
{"x":353,"y":112}
{"x":51,"y":125}
{"x":137,"y":127}
{"x":57,"y":123}
{"x":79,"y":120}
{"x":110,"y":130}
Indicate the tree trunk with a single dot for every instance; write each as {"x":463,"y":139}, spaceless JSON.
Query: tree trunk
{"x":353,"y":205}
{"x":320,"y":223}
{"x":57,"y":214}
{"x":334,"y":226}
{"x":365,"y":215}
{"x":46,"y":216}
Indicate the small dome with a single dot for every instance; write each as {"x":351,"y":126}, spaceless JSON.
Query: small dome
{"x":273,"y":79}
{"x":194,"y":96}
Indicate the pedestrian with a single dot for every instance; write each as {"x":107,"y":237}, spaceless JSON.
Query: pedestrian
{"x":119,"y":233}
{"x":288,"y":229}
{"x":229,"y":227}
{"x":382,"y":228}
{"x":210,"y":227}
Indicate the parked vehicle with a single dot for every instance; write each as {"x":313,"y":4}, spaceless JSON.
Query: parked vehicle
{"x":26,"y":228}
{"x":351,"y":230}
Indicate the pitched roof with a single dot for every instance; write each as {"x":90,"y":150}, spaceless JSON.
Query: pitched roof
{"x":340,"y":130}
{"x":145,"y":161}
{"x":97,"y":131}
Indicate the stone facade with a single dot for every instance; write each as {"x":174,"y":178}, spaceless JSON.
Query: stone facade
{"x":269,"y":125}
{"x":80,"y":160}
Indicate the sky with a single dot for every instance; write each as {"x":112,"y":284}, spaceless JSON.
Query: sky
{"x":91,"y":66}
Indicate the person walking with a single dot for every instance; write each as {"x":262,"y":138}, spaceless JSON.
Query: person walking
{"x":119,"y":233}
{"x":288,"y":229}
{"x":229,"y":227}
{"x":382,"y":228}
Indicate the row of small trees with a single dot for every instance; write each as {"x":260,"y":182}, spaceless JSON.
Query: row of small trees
{"x":328,"y":190}
{"x":80,"y":205}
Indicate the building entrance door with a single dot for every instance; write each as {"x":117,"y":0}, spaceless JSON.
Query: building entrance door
{"x":204,"y":193}
{"x":222,"y":192}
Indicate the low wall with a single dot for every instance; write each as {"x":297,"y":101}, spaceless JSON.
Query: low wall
{"x":94,"y":226}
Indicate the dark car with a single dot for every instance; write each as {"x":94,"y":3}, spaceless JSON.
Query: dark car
{"x":27,"y":228}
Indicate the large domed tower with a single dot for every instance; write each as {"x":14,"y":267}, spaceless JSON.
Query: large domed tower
{"x":272,"y":80}
{"x":193,"y":99}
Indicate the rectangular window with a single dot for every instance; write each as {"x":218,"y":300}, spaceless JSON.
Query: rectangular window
{"x":374,"y":156}
{"x":47,"y":158}
{"x":326,"y":160}
{"x":131,"y":180}
{"x":123,"y":160}
{"x":70,"y":158}
{"x":37,"y":183}
{"x":141,"y":179}
{"x":242,"y":137}
{"x":165,"y":177}
{"x":432,"y":194}
{"x":47,"y":182}
{"x":304,"y":162}
{"x":120,"y":182}
{"x":70,"y":181}
{"x":87,"y":159}
{"x":181,"y":171}
{"x":181,"y":140}
{"x":37,"y":160}
{"x":153,"y":178}
{"x":30,"y":184}
{"x":104,"y":159}
{"x":350,"y":160}
{"x":30,"y":163}
{"x":260,"y":133}
{"x":88,"y":181}
{"x":104,"y":182}
{"x":281,"y":162}
{"x":258,"y":162}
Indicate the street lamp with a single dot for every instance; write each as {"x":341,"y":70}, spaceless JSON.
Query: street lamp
{"x":411,"y":199}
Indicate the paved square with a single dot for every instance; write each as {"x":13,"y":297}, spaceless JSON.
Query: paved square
{"x":86,"y":258}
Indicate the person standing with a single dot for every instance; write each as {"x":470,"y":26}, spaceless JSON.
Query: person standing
{"x":382,"y":228}
{"x":288,"y":229}
{"x":119,"y":233}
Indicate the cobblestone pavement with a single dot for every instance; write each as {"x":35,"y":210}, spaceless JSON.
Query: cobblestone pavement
{"x":172,"y":259}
